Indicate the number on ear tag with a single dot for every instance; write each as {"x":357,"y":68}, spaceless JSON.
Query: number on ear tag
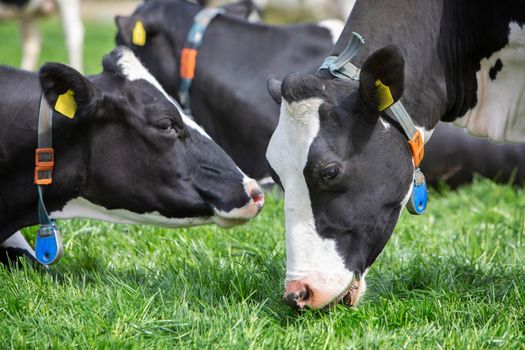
{"x":385,"y":96}
{"x":418,"y":199}
{"x":66,"y":104}
{"x":139,"y":34}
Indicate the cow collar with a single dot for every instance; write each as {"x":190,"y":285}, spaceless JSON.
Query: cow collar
{"x":342,"y":67}
{"x":188,"y":57}
{"x":48,"y":244}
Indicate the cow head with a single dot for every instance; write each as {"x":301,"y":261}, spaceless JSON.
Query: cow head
{"x":166,"y":26}
{"x":346,"y":173}
{"x":135,"y":157}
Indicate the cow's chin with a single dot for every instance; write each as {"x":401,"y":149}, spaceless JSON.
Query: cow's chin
{"x":350,"y":296}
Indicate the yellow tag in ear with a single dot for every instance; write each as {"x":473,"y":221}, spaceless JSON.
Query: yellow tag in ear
{"x":66,"y":104}
{"x":139,"y":34}
{"x":385,"y":96}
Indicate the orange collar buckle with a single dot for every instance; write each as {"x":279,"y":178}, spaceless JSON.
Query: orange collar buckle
{"x":44,"y":164}
{"x":417,"y":148}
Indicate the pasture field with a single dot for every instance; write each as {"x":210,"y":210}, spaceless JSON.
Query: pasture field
{"x":453,"y":278}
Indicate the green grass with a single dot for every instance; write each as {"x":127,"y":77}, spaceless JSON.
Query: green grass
{"x":453,"y":278}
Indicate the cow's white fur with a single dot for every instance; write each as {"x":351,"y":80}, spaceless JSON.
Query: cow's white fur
{"x":309,"y":256}
{"x":82,"y":208}
{"x":500,"y":111}
{"x":17,"y":240}
{"x":335,"y":27}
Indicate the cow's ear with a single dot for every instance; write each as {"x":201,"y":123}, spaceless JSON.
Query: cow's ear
{"x":274,"y":88}
{"x":382,"y":78}
{"x":67,"y":91}
{"x":242,"y":9}
{"x":133,"y":31}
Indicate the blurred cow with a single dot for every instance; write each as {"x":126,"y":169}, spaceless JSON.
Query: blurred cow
{"x":27,"y":12}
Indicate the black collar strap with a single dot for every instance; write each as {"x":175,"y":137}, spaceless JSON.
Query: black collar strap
{"x":188,"y":57}
{"x":48,"y":244}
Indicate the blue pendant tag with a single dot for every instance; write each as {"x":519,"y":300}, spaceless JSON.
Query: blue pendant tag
{"x":418,"y":199}
{"x":48,"y":245}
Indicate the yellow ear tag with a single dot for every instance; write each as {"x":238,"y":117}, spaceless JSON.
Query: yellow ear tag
{"x":66,"y":104}
{"x":139,"y":34}
{"x":385,"y":96}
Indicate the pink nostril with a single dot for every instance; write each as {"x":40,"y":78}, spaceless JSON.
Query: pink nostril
{"x":257,"y":196}
{"x":296,"y":298}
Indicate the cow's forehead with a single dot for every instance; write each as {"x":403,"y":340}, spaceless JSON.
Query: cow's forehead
{"x":132,"y":69}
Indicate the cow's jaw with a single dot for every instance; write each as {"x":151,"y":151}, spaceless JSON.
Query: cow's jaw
{"x":311,"y":260}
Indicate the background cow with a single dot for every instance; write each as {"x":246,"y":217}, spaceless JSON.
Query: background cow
{"x":28,"y":11}
{"x":128,"y":154}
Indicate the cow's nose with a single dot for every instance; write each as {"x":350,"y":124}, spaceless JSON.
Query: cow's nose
{"x":257,"y":197}
{"x":297,"y":294}
{"x":256,"y":194}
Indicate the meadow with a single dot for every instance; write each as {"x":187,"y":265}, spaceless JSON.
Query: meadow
{"x":453,"y":278}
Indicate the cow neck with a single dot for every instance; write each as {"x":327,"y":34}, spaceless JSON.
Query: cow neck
{"x":414,"y":27}
{"x":18,"y":193}
{"x":188,"y":56}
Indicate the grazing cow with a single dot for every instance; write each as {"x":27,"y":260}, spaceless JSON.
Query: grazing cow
{"x":27,"y":12}
{"x":344,"y":155}
{"x":227,"y":97}
{"x":127,"y":155}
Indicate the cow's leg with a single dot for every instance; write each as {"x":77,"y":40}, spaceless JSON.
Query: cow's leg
{"x":73,"y":28}
{"x":14,"y":247}
{"x":31,"y":43}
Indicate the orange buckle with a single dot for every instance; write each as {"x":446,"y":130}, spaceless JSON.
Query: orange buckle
{"x":44,"y":163}
{"x":417,"y":148}
{"x":188,"y":61}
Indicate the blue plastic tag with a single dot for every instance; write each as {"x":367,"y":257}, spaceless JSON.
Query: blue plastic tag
{"x":48,"y":245}
{"x":418,"y":199}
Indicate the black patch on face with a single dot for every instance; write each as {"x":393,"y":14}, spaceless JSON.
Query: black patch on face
{"x":297,"y":87}
{"x":359,"y":207}
{"x":493,"y":72}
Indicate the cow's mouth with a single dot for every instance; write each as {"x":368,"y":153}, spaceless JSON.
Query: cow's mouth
{"x":354,"y":293}
{"x":351,"y":296}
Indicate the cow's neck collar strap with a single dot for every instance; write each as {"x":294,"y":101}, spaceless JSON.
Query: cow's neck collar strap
{"x":188,"y":57}
{"x":341,"y":67}
{"x":48,"y":244}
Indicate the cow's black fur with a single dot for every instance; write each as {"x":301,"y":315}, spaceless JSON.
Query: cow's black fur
{"x":19,"y":3}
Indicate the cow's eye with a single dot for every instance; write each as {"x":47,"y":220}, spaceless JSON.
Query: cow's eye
{"x":165,"y":124}
{"x":330,"y":172}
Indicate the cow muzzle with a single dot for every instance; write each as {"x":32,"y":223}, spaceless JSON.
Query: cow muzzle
{"x":305,"y":293}
{"x":238,"y":216}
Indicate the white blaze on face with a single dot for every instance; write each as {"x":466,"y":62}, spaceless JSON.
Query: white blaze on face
{"x":309,"y":257}
{"x":500,"y":110}
{"x":134,"y":70}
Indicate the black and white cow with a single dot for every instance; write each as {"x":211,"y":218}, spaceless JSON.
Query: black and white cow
{"x":27,"y":12}
{"x":129,"y":155}
{"x":228,"y":95}
{"x":346,"y":168}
